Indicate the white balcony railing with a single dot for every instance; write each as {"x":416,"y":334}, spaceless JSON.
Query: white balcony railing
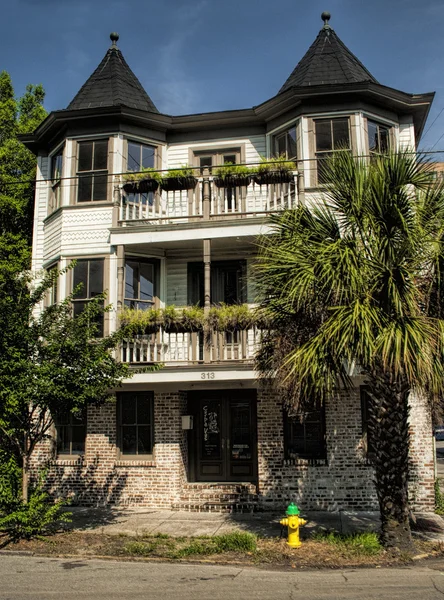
{"x":187,"y":348}
{"x":208,"y":202}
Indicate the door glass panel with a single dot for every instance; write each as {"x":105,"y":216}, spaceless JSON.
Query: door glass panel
{"x":211,"y":429}
{"x":206,"y":161}
{"x":241,"y":448}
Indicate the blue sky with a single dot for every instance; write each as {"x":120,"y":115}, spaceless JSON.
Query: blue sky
{"x":205,"y":55}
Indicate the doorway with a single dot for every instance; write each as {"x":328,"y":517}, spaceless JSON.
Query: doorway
{"x":223,"y":446}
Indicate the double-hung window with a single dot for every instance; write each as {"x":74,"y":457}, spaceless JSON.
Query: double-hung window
{"x":55,"y":199}
{"x":304,"y":434}
{"x":87,"y":279}
{"x":92,"y":171}
{"x":70,"y":433}
{"x":331,"y":135}
{"x":140,"y":157}
{"x":284,"y":143}
{"x":140,"y":283}
{"x":135,"y":421}
{"x":378,"y":138}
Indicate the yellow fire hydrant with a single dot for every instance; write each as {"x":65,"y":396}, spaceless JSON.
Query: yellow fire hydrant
{"x":293,"y":522}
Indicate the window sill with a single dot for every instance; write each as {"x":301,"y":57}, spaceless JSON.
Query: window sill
{"x":68,"y":460}
{"x":305,"y":462}
{"x":149,"y":462}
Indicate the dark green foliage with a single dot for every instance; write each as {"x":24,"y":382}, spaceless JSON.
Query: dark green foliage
{"x":439,"y":499}
{"x":26,"y":520}
{"x":357,"y":280}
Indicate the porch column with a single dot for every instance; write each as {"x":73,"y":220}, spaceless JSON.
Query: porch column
{"x":206,"y":196}
{"x":207,"y":294}
{"x":116,"y":201}
{"x":301,"y":184}
{"x":120,"y":276}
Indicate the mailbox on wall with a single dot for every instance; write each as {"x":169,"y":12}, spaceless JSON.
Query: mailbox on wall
{"x":187,"y":421}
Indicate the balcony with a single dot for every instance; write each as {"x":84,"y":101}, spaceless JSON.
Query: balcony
{"x":182,"y":349}
{"x":208,"y":200}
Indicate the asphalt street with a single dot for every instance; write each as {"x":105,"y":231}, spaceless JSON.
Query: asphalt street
{"x":26,"y":578}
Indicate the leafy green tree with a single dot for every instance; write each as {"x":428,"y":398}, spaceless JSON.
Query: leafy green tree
{"x":17,"y":172}
{"x":357,"y":279}
{"x":49,"y":364}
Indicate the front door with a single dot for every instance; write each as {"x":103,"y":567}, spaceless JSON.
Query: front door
{"x":224,"y":443}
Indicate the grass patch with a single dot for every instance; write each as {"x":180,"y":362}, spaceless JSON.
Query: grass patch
{"x":367,"y":544}
{"x":139,"y":548}
{"x":162,"y":545}
{"x":236,"y":541}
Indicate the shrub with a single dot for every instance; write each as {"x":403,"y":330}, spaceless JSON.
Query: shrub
{"x":439,"y":499}
{"x":39,"y":516}
{"x":10,"y":483}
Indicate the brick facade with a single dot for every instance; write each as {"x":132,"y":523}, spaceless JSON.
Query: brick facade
{"x":344,"y":481}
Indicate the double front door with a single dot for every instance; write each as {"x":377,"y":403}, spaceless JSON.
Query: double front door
{"x":223,"y":444}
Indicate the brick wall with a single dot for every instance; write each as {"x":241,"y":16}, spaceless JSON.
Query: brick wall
{"x":101,"y":478}
{"x":343,"y":482}
{"x":422,"y":455}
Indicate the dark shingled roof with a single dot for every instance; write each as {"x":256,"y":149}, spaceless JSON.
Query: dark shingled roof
{"x":112,"y":84}
{"x":327,"y":61}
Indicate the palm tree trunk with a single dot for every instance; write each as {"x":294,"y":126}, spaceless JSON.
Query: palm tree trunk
{"x":389,"y":433}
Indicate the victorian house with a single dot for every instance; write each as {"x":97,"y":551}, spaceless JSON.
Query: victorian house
{"x":202,"y":432}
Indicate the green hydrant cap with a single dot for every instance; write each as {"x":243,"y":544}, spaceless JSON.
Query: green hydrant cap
{"x":292,"y":510}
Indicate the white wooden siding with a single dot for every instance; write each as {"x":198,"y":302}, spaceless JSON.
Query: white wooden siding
{"x":41,"y":207}
{"x":255,"y":146}
{"x":176,"y":270}
{"x":407,"y":135}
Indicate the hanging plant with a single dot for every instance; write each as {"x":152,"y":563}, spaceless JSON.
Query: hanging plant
{"x":142,"y":182}
{"x":142,"y":321}
{"x":275,"y":170}
{"x":230,"y":317}
{"x":179,"y":179}
{"x":231,"y":175}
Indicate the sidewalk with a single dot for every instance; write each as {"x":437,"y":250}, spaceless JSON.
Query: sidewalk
{"x":134,"y":521}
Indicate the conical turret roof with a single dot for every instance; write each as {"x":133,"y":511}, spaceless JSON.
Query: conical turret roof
{"x":112,"y":84}
{"x":328,"y":61}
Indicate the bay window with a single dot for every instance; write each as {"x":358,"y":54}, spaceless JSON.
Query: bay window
{"x":92,"y":171}
{"x":331,"y":135}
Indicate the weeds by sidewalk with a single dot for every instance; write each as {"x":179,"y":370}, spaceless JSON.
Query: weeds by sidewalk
{"x":327,"y":550}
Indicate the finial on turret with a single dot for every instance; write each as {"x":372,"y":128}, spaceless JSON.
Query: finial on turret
{"x":326,"y":16}
{"x":114,"y":37}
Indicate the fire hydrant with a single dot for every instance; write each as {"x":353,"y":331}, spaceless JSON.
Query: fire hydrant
{"x":293,"y":522}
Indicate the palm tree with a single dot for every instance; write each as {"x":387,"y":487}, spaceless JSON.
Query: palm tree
{"x":356,"y":280}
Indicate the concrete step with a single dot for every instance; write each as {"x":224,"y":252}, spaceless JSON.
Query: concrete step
{"x":216,"y":507}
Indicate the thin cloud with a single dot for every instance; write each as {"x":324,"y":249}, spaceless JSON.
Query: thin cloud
{"x":176,"y":92}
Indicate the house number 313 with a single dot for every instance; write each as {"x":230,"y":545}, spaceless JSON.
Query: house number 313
{"x":209,"y":375}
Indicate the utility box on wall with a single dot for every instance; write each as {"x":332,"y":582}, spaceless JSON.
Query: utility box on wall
{"x":187,"y":421}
